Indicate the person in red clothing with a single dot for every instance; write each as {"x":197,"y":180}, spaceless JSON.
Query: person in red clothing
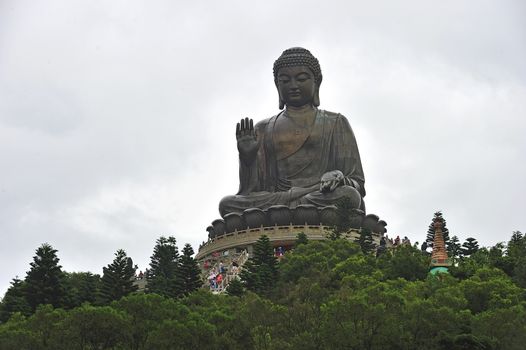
{"x":219,"y":280}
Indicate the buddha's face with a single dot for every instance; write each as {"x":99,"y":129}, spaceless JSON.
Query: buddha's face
{"x":296,"y":86}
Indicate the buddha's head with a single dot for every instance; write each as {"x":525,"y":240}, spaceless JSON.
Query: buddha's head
{"x":297,"y":75}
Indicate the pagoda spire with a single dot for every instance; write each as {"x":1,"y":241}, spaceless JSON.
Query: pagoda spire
{"x":439,"y":259}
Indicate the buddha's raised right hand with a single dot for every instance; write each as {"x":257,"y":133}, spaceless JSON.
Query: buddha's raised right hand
{"x":247,"y":143}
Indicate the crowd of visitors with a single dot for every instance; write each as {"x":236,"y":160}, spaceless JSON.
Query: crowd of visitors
{"x":223,"y":272}
{"x":397,"y":242}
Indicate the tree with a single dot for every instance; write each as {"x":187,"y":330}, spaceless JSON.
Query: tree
{"x":431,"y":230}
{"x":260,"y":271}
{"x":454,"y":249}
{"x":301,"y":238}
{"x":407,"y":262}
{"x":470,"y":246}
{"x":145,"y":311}
{"x":344,"y":209}
{"x":367,"y":318}
{"x":164,"y":264}
{"x":189,"y":273}
{"x":97,"y":327}
{"x":517,"y":246}
{"x":47,"y":324}
{"x":365,"y":240}
{"x":81,"y":287}
{"x":44,"y":283}
{"x":14,"y":300}
{"x":235,"y":288}
{"x":516,"y":253}
{"x":118,"y":277}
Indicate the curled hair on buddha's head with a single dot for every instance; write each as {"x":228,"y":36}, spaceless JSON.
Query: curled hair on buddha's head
{"x":298,"y":56}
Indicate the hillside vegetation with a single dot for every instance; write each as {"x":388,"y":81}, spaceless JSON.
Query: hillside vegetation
{"x":322,"y":295}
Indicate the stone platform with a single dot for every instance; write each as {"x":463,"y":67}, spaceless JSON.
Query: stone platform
{"x":282,"y":215}
{"x":284,"y":236}
{"x":239,"y":231}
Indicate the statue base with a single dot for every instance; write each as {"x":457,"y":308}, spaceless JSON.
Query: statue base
{"x":231,"y":243}
{"x":239,"y":231}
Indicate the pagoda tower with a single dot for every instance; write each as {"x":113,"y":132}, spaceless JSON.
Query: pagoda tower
{"x":439,"y":260}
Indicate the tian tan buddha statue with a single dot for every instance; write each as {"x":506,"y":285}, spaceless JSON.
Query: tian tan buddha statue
{"x":302,"y":155}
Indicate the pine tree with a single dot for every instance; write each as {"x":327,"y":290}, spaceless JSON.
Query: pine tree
{"x":260,"y":271}
{"x":14,"y":301}
{"x":118,"y":277}
{"x":365,"y":240}
{"x":235,"y":288}
{"x":517,"y":245}
{"x":470,"y":246}
{"x":164,"y":264}
{"x":454,"y":249}
{"x":431,"y":230}
{"x":189,"y":272}
{"x":44,"y":283}
{"x":301,"y":238}
{"x":516,"y":255}
{"x":344,"y":209}
{"x":81,"y":287}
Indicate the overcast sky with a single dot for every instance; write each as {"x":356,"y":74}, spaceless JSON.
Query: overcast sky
{"x":117,"y":118}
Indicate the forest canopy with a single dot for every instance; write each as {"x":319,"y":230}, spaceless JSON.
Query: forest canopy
{"x":323,"y":295}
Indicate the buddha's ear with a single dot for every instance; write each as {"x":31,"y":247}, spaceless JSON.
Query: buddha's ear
{"x":281,"y":102}
{"x":316,"y":98}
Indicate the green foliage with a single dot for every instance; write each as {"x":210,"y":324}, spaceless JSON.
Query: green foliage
{"x":174,"y":334}
{"x":44,"y":283}
{"x":470,"y":246}
{"x":454,"y":249}
{"x":505,"y":327}
{"x":489,"y":289}
{"x":118,"y":277}
{"x":189,"y":272}
{"x":81,"y":287}
{"x":467,"y":266}
{"x":327,"y":295}
{"x":16,"y":335}
{"x":260,"y":271}
{"x":97,"y":327}
{"x":301,"y":238}
{"x":406,"y":262}
{"x":365,"y":240}
{"x":164,"y":266}
{"x":14,"y":301}
{"x":344,"y":210}
{"x":235,"y":288}
{"x":145,"y":312}
{"x":48,"y":324}
{"x":465,"y":342}
{"x":516,"y":254}
{"x":366,"y":318}
{"x":334,"y":234}
{"x":315,"y":258}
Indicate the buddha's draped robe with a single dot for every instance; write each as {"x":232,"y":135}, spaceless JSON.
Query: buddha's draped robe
{"x":294,"y":178}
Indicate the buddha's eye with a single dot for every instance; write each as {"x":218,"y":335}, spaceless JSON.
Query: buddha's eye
{"x":302,"y":78}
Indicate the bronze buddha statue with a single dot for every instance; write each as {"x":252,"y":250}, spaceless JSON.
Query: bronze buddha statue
{"x":302,"y":155}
